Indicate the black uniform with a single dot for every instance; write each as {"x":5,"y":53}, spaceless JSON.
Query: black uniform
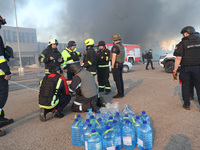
{"x":4,"y":70}
{"x":118,"y":67}
{"x":45,"y":58}
{"x":189,"y":50}
{"x":149,"y":60}
{"x":90,"y":62}
{"x":103,"y":58}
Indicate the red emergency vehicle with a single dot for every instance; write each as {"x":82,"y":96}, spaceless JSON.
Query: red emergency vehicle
{"x":132,"y":51}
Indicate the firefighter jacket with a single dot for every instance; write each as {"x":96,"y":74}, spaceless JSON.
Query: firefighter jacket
{"x":189,"y":50}
{"x":90,"y":62}
{"x":51,"y":87}
{"x":45,"y":58}
{"x":4,"y":68}
{"x":103,"y":58}
{"x":84,"y":85}
{"x":70,"y":56}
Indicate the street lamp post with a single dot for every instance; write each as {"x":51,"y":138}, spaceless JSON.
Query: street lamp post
{"x":20,"y":69}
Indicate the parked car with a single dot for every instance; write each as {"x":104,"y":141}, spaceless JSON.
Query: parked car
{"x":167,"y":62}
{"x":127,"y":66}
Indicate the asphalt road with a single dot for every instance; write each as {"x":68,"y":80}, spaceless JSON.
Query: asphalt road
{"x":174,"y":128}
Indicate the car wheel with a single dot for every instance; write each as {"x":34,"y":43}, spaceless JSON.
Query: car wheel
{"x":169,"y":66}
{"x":125,"y":69}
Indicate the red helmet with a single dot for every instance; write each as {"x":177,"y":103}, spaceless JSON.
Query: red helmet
{"x":3,"y":21}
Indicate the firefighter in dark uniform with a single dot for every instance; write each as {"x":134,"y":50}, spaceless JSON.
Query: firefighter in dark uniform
{"x":90,"y":62}
{"x":117,"y":59}
{"x":187,"y":54}
{"x":103,"y":58}
{"x":5,"y":75}
{"x":70,"y":55}
{"x":149,"y":59}
{"x":83,"y":84}
{"x":53,"y":95}
{"x":51,"y":56}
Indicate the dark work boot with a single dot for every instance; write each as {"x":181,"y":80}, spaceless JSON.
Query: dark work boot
{"x":5,"y":121}
{"x":58,"y":115}
{"x":43,"y":114}
{"x":2,"y":133}
{"x":94,"y":106}
{"x":101,"y":102}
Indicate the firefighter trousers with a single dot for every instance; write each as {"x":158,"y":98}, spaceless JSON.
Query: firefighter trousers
{"x":103,"y":79}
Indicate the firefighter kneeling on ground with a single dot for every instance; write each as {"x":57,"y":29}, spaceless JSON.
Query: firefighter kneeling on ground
{"x":86,"y":92}
{"x":53,"y":95}
{"x":103,"y":57}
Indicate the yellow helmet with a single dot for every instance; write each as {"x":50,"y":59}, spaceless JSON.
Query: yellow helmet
{"x":116,"y":37}
{"x":89,"y":42}
{"x":53,"y":41}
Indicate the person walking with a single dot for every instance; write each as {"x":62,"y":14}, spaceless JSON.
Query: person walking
{"x":5,"y":75}
{"x":117,"y":57}
{"x":149,"y":58}
{"x":187,"y":54}
{"x":103,"y":58}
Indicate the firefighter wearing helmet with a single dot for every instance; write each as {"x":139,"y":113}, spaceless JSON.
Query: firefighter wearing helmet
{"x":117,"y":57}
{"x":103,"y":58}
{"x":51,"y":56}
{"x":90,"y":62}
{"x":70,"y":56}
{"x":5,"y":75}
{"x":187,"y":54}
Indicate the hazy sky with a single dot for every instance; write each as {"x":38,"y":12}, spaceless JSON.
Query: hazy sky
{"x":152,"y":23}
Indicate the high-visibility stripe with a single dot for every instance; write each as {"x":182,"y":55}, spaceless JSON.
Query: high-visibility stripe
{"x":47,"y":71}
{"x":107,"y":87}
{"x":49,"y":107}
{"x":106,"y":58}
{"x":89,"y":63}
{"x":93,"y":72}
{"x":2,"y":59}
{"x":0,"y":111}
{"x":102,"y":66}
{"x":101,"y":86}
{"x":43,"y":57}
{"x":1,"y":72}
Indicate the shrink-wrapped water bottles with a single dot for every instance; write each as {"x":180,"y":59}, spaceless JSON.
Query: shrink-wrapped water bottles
{"x":145,"y":137}
{"x":77,"y":133}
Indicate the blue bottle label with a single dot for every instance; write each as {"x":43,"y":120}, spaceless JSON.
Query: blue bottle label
{"x":127,"y":141}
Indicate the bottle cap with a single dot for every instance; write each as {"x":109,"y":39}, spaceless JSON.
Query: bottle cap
{"x":78,"y":115}
{"x":98,"y":111}
{"x":126,"y":115}
{"x":90,"y":110}
{"x":76,"y":119}
{"x":108,"y":127}
{"x":117,"y":113}
{"x":127,"y":121}
{"x":144,"y":112}
{"x":93,"y":130}
{"x":110,"y":117}
{"x":87,"y":120}
{"x":114,"y":121}
{"x":99,"y":119}
{"x":89,"y":125}
{"x":137,"y":117}
{"x":144,"y":122}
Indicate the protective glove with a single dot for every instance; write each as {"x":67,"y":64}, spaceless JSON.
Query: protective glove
{"x":175,"y":74}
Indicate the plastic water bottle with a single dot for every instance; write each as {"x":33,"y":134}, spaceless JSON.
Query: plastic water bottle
{"x":94,"y":141}
{"x":145,"y":137}
{"x":128,"y":135}
{"x":108,"y":139}
{"x":127,"y":110}
{"x":89,"y":113}
{"x":118,"y":117}
{"x":138,"y":122}
{"x":86,"y":133}
{"x":86,"y":125}
{"x":80,"y":118}
{"x":93,"y":121}
{"x":100,"y":126}
{"x":124,"y":119}
{"x":109,"y":122}
{"x":144,"y":116}
{"x":118,"y":134}
{"x":117,"y":107}
{"x":98,"y":114}
{"x":77,"y":133}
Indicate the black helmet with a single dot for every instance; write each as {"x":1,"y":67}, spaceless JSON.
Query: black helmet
{"x":71,"y":43}
{"x":101,"y":43}
{"x":54,"y":69}
{"x":75,"y":68}
{"x":188,"y":29}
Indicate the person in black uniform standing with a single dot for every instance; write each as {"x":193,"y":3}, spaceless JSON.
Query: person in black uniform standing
{"x":187,"y":54}
{"x":89,"y":60}
{"x":103,"y":58}
{"x":149,"y":59}
{"x":51,"y":56}
{"x":117,"y":57}
{"x":5,"y":75}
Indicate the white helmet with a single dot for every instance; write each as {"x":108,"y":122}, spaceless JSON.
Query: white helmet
{"x":53,"y":41}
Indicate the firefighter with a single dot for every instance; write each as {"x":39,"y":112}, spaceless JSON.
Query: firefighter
{"x":51,"y":56}
{"x":187,"y":54}
{"x":53,"y":95}
{"x":90,"y":62}
{"x":86,"y":92}
{"x":117,"y":57}
{"x":70,"y":55}
{"x":103,"y":58}
{"x":5,"y":75}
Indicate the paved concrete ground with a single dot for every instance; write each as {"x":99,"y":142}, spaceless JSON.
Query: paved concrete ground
{"x":174,"y":128}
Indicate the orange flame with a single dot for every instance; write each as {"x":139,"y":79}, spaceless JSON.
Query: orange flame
{"x":168,"y":45}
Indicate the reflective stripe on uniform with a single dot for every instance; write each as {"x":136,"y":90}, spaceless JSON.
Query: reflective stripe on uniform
{"x":102,"y":66}
{"x":102,"y":87}
{"x":108,"y":88}
{"x":47,"y":71}
{"x":2,"y":59}
{"x":1,"y":72}
{"x":42,"y":59}
{"x":89,"y":62}
{"x":79,"y":104}
{"x":93,"y":72}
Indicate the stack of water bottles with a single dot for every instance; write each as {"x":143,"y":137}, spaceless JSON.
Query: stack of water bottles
{"x":111,"y":129}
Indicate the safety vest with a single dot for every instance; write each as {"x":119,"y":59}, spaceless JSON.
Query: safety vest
{"x":69,"y":56}
{"x":121,"y":56}
{"x":2,"y":60}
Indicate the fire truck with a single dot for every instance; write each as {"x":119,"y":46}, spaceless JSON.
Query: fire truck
{"x":132,"y":51}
